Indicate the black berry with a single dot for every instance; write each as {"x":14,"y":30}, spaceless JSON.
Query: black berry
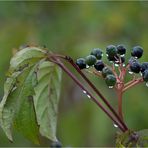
{"x":111,"y":50}
{"x":56,"y":145}
{"x":81,"y":63}
{"x":110,"y":80}
{"x":106,"y":71}
{"x":144,"y":66}
{"x":120,"y":60}
{"x":137,"y":52}
{"x":145,"y":75}
{"x":97,"y":53}
{"x":135,"y":67}
{"x":90,"y":60}
{"x":99,"y":65}
{"x":121,"y":49}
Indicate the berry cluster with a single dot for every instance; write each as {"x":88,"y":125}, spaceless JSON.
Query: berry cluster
{"x":116,"y":56}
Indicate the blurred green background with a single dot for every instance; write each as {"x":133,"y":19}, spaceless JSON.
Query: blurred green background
{"x":74,"y":28}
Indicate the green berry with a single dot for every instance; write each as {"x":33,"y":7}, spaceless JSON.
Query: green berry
{"x":111,"y":50}
{"x":97,"y":53}
{"x":110,"y":80}
{"x":106,"y":71}
{"x":90,"y":60}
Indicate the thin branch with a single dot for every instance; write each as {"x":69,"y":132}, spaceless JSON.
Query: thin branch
{"x":133,"y":83}
{"x":88,"y":93}
{"x":70,"y":60}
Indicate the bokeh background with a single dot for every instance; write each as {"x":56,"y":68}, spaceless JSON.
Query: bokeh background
{"x":74,"y":28}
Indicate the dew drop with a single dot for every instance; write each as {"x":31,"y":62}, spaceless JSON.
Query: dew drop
{"x":141,"y":73}
{"x":111,"y":86}
{"x":116,"y":65}
{"x":123,"y":65}
{"x":102,"y":54}
{"x":115,"y":125}
{"x":122,"y":55}
{"x":88,"y":96}
{"x":136,"y":57}
{"x":87,"y":66}
{"x":107,"y":55}
{"x":130,"y":72}
{"x":84,"y":91}
{"x":146,"y":84}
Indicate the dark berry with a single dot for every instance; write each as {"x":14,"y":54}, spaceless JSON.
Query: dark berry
{"x":145,"y":75}
{"x":99,"y":65}
{"x":106,"y":71}
{"x":90,"y":60}
{"x":110,"y":80}
{"x":112,"y":58}
{"x":144,"y":66}
{"x":81,"y":63}
{"x":120,"y":60}
{"x":56,"y":145}
{"x":131,"y":60}
{"x":137,"y":52}
{"x":97,"y":53}
{"x":135,"y":67}
{"x":111,"y":50}
{"x":121,"y":49}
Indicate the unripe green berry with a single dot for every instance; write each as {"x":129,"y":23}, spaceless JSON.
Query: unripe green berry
{"x":90,"y":60}
{"x":97,"y":53}
{"x":110,"y":80}
{"x":106,"y":71}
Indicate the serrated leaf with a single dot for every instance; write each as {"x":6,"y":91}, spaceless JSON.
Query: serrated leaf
{"x":16,"y":109}
{"x":26,"y":57}
{"x":46,"y":98}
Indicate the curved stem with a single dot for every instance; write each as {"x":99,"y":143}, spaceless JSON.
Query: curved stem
{"x":89,"y":94}
{"x":70,"y":60}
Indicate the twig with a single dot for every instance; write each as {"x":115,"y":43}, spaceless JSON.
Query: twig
{"x":88,"y":93}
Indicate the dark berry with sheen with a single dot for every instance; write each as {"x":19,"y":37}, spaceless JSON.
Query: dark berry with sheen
{"x":97,"y":53}
{"x":111,"y":50}
{"x":121,"y":49}
{"x":144,"y":66}
{"x":99,"y":65}
{"x":135,"y":67}
{"x":137,"y":52}
{"x":145,"y":75}
{"x":81,"y":63}
{"x":90,"y":60}
{"x":106,"y":71}
{"x":110,"y":80}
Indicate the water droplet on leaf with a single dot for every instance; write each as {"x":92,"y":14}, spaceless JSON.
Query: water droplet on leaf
{"x":84,"y":91}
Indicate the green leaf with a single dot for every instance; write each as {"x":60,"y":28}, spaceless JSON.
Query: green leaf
{"x":26,"y":57}
{"x":46,"y":98}
{"x":12,"y":106}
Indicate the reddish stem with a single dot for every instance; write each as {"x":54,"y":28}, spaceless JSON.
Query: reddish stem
{"x":88,"y":93}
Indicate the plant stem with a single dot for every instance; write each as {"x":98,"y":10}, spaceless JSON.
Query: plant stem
{"x":70,"y":60}
{"x":88,"y":93}
{"x":119,"y":95}
{"x":133,"y":83}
